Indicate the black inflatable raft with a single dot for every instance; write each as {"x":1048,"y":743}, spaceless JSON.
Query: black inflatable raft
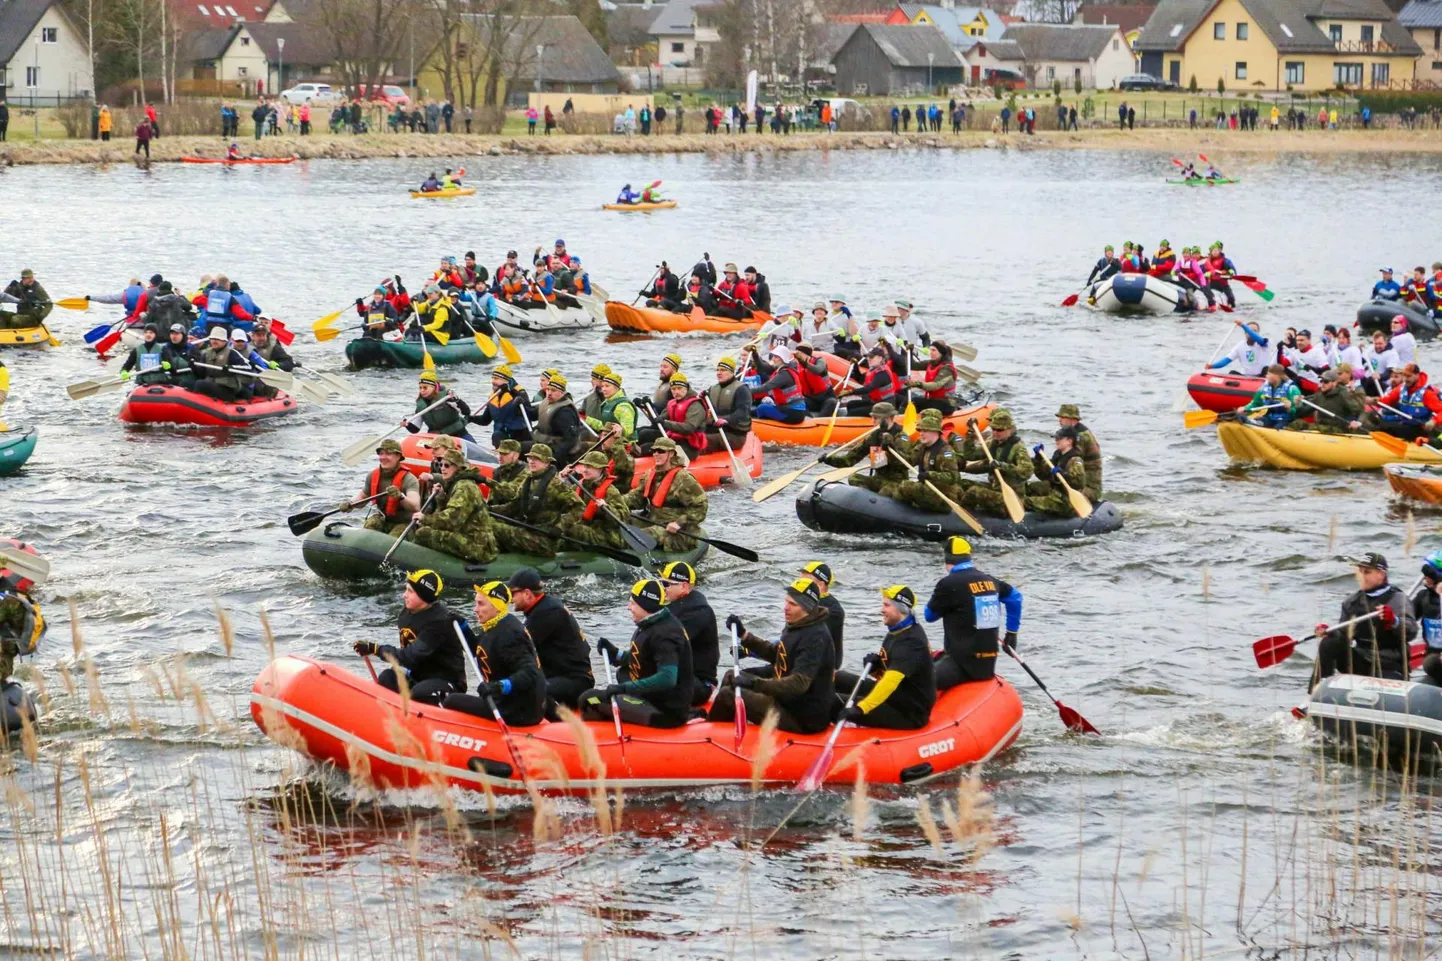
{"x":1402,"y":717}
{"x":1377,"y":315}
{"x":843,"y":509}
{"x":14,"y":705}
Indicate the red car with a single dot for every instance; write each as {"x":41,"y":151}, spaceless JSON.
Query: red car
{"x":386,"y":93}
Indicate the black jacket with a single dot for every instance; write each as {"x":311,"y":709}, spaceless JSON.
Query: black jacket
{"x":429,"y":648}
{"x":835,"y":621}
{"x":505,"y":653}
{"x":559,"y":641}
{"x":660,"y":642}
{"x":803,"y":679}
{"x":761,"y":294}
{"x":968,"y":602}
{"x":696,"y":616}
{"x":1393,"y":653}
{"x":907,"y":651}
{"x":1105,"y":268}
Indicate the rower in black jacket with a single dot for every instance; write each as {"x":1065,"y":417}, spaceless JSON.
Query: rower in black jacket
{"x":429,"y":651}
{"x":969,"y":603}
{"x":695,"y":614}
{"x":898,"y":687}
{"x":560,"y":642}
{"x":510,"y":671}
{"x":1378,"y":647}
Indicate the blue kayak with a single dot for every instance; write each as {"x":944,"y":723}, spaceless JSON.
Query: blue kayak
{"x":16,"y":446}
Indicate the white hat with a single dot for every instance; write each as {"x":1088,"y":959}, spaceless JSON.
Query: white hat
{"x":236,"y":334}
{"x":217,"y":333}
{"x":782,"y":351}
{"x":781,"y":310}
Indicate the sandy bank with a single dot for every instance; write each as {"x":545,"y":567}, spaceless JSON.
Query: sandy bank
{"x":1172,"y":140}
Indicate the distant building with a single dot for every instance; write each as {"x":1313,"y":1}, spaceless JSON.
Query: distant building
{"x":1278,"y":44}
{"x":1129,"y":17}
{"x":674,"y":30}
{"x":892,"y":60}
{"x":1422,"y":19}
{"x":1097,"y":56}
{"x":628,"y":33}
{"x":253,"y":56}
{"x":43,"y":58}
{"x":962,"y":26}
{"x":995,"y":62}
{"x":570,"y":60}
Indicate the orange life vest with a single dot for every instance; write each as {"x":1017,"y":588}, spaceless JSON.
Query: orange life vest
{"x":887,"y":390}
{"x":662,"y":489}
{"x":374,"y":487}
{"x":513,"y":289}
{"x":676,"y":410}
{"x":931,"y":370}
{"x":812,"y":384}
{"x":589,"y":514}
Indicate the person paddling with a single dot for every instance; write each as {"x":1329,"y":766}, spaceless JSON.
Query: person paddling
{"x":819,"y":573}
{"x":445,"y":413}
{"x":969,"y":604}
{"x":560,"y":643}
{"x":1386,"y":288}
{"x":1378,"y":647}
{"x":1276,"y":402}
{"x":510,"y":670}
{"x":696,"y":615}
{"x":429,"y":652}
{"x":656,"y":676}
{"x":897,"y":688}
{"x":398,"y":489}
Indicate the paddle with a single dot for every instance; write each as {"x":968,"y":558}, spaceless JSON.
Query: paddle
{"x":331,"y":333}
{"x":1014,"y":509}
{"x":740,"y":476}
{"x":841,"y":473}
{"x":1326,"y":411}
{"x":1069,"y":717}
{"x":956,"y":508}
{"x":103,"y":345}
{"x":338,"y":385}
{"x":506,"y":736}
{"x":1071,"y":299}
{"x":725,"y":547}
{"x":89,"y":388}
{"x":786,"y":480}
{"x":311,"y":392}
{"x":415,"y":519}
{"x":638,"y":540}
{"x":281,"y":332}
{"x":357,"y":452}
{"x":100,"y":331}
{"x":615,"y":555}
{"x":307,"y":521}
{"x":615,"y":707}
{"x":28,"y":566}
{"x":639,"y":295}
{"x":1201,"y":418}
{"x":327,"y":320}
{"x":278,"y":379}
{"x":74,"y":303}
{"x":740,"y":703}
{"x":816,"y":774}
{"x":486,"y":345}
{"x":969,"y":374}
{"x":1078,"y":500}
{"x":964,"y":351}
{"x":550,"y":306}
{"x":1396,"y":446}
{"x":599,"y":291}
{"x":1271,"y":651}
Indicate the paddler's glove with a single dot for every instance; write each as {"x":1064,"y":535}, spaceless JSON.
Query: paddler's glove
{"x":851,"y":713}
{"x":366,"y":648}
{"x":165,"y":365}
{"x":273,"y":364}
{"x":346,"y":505}
{"x":607,"y":649}
{"x":733,"y":623}
{"x":1388,"y":617}
{"x":871,"y":660}
{"x":1010,"y":639}
{"x":360,"y":301}
{"x":1036,"y":451}
{"x":392,"y":491}
{"x":744,"y":681}
{"x":125,"y":375}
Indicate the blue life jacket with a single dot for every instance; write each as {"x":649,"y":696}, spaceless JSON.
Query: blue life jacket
{"x":1410,"y":403}
{"x":246,"y":302}
{"x":132,"y":298}
{"x":1276,"y":416}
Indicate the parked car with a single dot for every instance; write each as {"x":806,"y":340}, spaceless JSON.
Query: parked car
{"x":315,"y":93}
{"x":1145,"y":81}
{"x":1006,"y":79}
{"x":386,"y":93}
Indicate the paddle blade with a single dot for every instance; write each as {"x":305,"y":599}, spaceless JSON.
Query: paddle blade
{"x":509,"y":349}
{"x":311,"y":392}
{"x":337,"y":384}
{"x":908,"y":419}
{"x":427,"y":362}
{"x":780,"y":484}
{"x":1396,"y":446}
{"x":485,"y":344}
{"x":97,"y":332}
{"x":740,"y":718}
{"x":830,"y":426}
{"x":1074,"y":721}
{"x":1071,"y":299}
{"x":1271,"y":651}
{"x":841,"y":473}
{"x":304,"y":522}
{"x":1416,"y":654}
{"x":1198,"y":418}
{"x":106,"y":343}
{"x":282,"y":333}
{"x":327,"y":333}
{"x":28,"y":566}
{"x":697,"y":314}
{"x":441,"y":337}
{"x":74,"y":303}
{"x":327,"y":320}
{"x":360,"y":450}
{"x":818,"y":770}
{"x":964,"y":351}
{"x":637,"y":539}
{"x":1014,"y":508}
{"x":89,"y":388}
{"x":1079,"y":503}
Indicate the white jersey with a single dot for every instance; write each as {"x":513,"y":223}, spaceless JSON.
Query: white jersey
{"x":870,"y":338}
{"x":777,"y":332}
{"x":1314,"y":357}
{"x":1377,"y":365}
{"x":914,"y":326}
{"x":1406,"y":347}
{"x":1250,"y":359}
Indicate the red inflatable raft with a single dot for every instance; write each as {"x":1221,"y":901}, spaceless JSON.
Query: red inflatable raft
{"x":176,"y":405}
{"x":322,"y":710}
{"x":1222,"y":392}
{"x":242,"y":160}
{"x":23,"y":583}
{"x":714,"y":469}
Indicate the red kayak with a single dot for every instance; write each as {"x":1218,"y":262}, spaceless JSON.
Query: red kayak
{"x":243,"y":160}
{"x":176,"y":405}
{"x":1222,"y":392}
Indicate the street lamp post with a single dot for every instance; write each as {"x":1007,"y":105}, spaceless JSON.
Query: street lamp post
{"x":280,"y":42}
{"x":36,"y":89}
{"x":540,"y":55}
{"x":930,"y":59}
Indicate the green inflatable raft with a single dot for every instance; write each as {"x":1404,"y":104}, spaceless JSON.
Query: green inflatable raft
{"x":343,"y":551}
{"x":1203,"y":181}
{"x":362,"y":353}
{"x":16,"y":446}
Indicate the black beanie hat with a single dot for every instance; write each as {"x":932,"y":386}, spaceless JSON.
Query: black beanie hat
{"x":649,"y":595}
{"x":426,"y":584}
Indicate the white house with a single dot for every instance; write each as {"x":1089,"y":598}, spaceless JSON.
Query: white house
{"x":256,"y":53}
{"x":1096,"y":55}
{"x":43,"y":57}
{"x":678,"y":41}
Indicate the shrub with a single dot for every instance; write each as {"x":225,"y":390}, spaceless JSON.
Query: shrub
{"x":1076,"y":86}
{"x":588,"y":123}
{"x":1192,"y":86}
{"x":1221,"y":85}
{"x":1056,"y":89}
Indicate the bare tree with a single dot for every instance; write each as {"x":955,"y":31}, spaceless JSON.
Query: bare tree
{"x":366,"y":37}
{"x":130,"y":29}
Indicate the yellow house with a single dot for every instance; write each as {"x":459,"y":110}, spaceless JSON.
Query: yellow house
{"x":961,"y":26}
{"x":1302,"y":45}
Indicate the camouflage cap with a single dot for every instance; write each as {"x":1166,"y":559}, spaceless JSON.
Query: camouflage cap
{"x":883,"y":409}
{"x":508,"y":447}
{"x":930,"y":420}
{"x":389,"y":446}
{"x":664,"y":443}
{"x":541,"y":452}
{"x":1001,"y":419}
{"x":454,"y":458}
{"x":594,"y":459}
{"x":1069,"y":410}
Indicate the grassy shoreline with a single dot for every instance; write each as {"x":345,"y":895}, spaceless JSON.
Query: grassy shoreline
{"x":1174,"y":140}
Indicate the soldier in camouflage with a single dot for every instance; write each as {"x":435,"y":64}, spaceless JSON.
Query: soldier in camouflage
{"x":1069,"y":415}
{"x":587,"y":522}
{"x":541,"y":501}
{"x":458,"y":523}
{"x":935,"y":461}
{"x":506,"y":478}
{"x":885,"y":432}
{"x":1008,"y":454}
{"x":1046,"y":494}
{"x":21,"y":626}
{"x":618,"y":453}
{"x":671,"y":498}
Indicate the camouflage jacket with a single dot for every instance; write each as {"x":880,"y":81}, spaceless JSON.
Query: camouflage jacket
{"x":685,"y":503}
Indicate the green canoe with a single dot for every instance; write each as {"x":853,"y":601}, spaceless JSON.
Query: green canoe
{"x":363,"y":353}
{"x":16,"y":446}
{"x":1200,"y":181}
{"x":345,"y":552}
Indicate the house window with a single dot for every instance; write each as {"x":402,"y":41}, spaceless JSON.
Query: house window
{"x":49,"y":34}
{"x":1437,"y":64}
{"x":678,"y":47}
{"x":1335,"y":32}
{"x":203,"y":12}
{"x":1296,"y":72}
{"x":1366,"y":33}
{"x":245,"y":41}
{"x":243,"y":71}
{"x":1219,"y":31}
{"x":32,"y":77}
{"x":1241,"y":31}
{"x":1116,"y":44}
{"x":1381,"y":74}
{"x":1050,"y":74}
{"x":1241,"y":70}
{"x":1347,"y":74}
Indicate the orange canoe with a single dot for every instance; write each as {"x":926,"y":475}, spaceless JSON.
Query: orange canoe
{"x":649,"y":320}
{"x":714,"y":469}
{"x":332,"y":715}
{"x":811,"y":431}
{"x":1420,"y":482}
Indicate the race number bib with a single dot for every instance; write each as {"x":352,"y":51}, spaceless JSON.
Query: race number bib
{"x":149,"y":361}
{"x":988,"y":611}
{"x":376,"y":319}
{"x":878,"y":457}
{"x":1432,"y":633}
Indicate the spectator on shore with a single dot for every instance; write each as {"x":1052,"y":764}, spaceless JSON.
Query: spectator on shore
{"x":905,"y":119}
{"x":630,"y":119}
{"x":550,"y":119}
{"x":1122,"y":116}
{"x":154,"y":120}
{"x":531,"y":117}
{"x":568,"y":109}
{"x":143,"y":132}
{"x":895,"y":118}
{"x":645,"y":118}
{"x":433,"y":117}
{"x":680,"y":115}
{"x":303,"y":114}
{"x":448,"y":113}
{"x":1131,"y":118}
{"x":104,"y":123}
{"x":469,"y":115}
{"x":1006,"y":120}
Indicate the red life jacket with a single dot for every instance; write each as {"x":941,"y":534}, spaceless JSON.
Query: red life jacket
{"x":589,"y":514}
{"x":1164,"y":264}
{"x":662,"y":489}
{"x":812,"y":384}
{"x":785,"y":396}
{"x":743,"y":292}
{"x":888,"y":388}
{"x":374,"y":487}
{"x":676,"y":410}
{"x":931,"y":370}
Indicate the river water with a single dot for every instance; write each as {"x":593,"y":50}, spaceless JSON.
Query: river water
{"x":1203,"y":822}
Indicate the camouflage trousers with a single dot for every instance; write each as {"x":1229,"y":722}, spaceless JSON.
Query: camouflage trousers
{"x":921,"y":497}
{"x":377,"y":522}
{"x":599,"y":532}
{"x":670,"y":543}
{"x":1331,"y":427}
{"x":1054,"y":504}
{"x":478,"y":546}
{"x":984,"y":500}
{"x":513,"y":540}
{"x":876,"y":483}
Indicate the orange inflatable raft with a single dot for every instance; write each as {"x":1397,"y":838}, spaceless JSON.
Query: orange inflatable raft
{"x":648,"y":320}
{"x":811,"y":431}
{"x":714,"y":469}
{"x":332,"y":715}
{"x":1420,"y":482}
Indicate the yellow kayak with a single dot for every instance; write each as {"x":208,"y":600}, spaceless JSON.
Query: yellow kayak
{"x":38,"y":336}
{"x":658,"y":205}
{"x":1309,"y":450}
{"x":458,"y":192}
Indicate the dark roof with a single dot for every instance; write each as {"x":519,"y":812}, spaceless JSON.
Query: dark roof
{"x":907,"y":45}
{"x":200,"y":45}
{"x":17,"y":19}
{"x":823,"y":40}
{"x":1071,"y":43}
{"x":305,"y":46}
{"x":1128,"y":16}
{"x":1002,"y":49}
{"x":1285,"y":22}
{"x":301,"y":11}
{"x":676,"y":18}
{"x":629,"y":25}
{"x":1171,"y":23}
{"x":1421,"y":13}
{"x":572,"y":55}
